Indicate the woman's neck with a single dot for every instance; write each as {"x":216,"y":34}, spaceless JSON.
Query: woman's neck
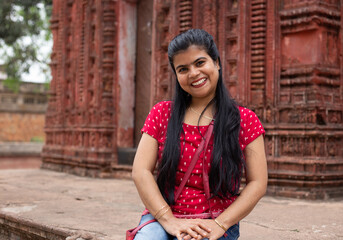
{"x":201,"y":104}
{"x":200,"y":112}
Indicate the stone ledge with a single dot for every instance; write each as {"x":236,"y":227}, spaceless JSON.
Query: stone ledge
{"x":17,"y":149}
{"x":37,"y":201}
{"x":21,"y":229}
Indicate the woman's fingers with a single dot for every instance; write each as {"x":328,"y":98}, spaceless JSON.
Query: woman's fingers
{"x":201,"y":230}
{"x":197,"y":231}
{"x":185,"y":236}
{"x":205,"y":228}
{"x":180,"y":236}
{"x":193,"y":230}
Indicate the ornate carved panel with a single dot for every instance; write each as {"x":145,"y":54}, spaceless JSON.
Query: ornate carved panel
{"x":170,"y":17}
{"x":185,"y":10}
{"x":258,"y":51}
{"x":80,"y":123}
{"x":308,"y":110}
{"x":229,"y":42}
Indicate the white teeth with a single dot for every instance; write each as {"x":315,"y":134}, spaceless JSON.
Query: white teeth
{"x":199,"y":82}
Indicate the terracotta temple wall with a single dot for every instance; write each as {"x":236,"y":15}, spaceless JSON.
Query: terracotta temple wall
{"x":82,"y":123}
{"x":282,"y":59}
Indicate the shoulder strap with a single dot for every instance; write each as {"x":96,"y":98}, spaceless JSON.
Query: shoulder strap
{"x":203,"y":145}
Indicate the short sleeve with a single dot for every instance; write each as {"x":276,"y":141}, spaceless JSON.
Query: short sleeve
{"x":155,"y":122}
{"x":251,"y":127}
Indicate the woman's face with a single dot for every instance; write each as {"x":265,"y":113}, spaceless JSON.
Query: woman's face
{"x":196,"y":72}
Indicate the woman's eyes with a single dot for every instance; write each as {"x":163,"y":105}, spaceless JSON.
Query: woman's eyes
{"x":197,"y":64}
{"x":182,"y":69}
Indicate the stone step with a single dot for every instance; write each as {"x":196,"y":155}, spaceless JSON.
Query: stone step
{"x":14,"y":227}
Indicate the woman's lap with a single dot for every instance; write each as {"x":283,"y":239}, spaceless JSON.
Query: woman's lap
{"x":154,"y":231}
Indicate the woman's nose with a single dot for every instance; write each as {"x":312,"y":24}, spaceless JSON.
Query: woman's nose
{"x":193,"y":72}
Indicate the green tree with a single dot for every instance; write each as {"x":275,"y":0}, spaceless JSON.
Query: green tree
{"x":23,"y":23}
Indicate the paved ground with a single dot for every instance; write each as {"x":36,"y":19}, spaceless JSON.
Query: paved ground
{"x":106,"y":208}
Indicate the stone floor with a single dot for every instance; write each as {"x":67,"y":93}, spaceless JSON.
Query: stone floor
{"x":43,"y":200}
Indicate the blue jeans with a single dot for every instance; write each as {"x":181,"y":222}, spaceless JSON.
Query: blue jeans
{"x":154,"y":231}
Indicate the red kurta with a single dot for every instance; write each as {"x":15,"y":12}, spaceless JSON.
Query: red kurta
{"x":192,"y":199}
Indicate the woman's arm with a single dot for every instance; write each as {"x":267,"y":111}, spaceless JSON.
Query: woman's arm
{"x":142,"y":174}
{"x":257,"y":178}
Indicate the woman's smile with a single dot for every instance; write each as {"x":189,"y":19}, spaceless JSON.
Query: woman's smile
{"x":199,"y":83}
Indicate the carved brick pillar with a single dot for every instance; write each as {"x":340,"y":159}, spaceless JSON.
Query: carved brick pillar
{"x":164,"y":27}
{"x":84,"y":118}
{"x":304,"y":126}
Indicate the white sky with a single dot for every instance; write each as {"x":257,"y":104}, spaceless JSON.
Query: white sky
{"x":36,"y":73}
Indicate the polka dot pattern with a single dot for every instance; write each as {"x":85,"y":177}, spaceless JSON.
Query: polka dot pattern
{"x":192,"y":199}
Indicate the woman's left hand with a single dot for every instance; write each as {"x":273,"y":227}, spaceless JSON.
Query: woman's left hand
{"x":216,"y":233}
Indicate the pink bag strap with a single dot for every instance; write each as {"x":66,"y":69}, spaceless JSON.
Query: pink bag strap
{"x":207,"y":186}
{"x":203,"y":145}
{"x":142,"y":225}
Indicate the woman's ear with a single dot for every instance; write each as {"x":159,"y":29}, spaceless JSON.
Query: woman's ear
{"x":217,"y":64}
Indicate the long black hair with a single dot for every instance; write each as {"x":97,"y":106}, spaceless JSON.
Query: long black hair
{"x":227,"y":160}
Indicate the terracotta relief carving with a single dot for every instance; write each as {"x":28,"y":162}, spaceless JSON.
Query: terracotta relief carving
{"x":185,"y":11}
{"x":163,"y":34}
{"x":231,"y":47}
{"x":307,"y":146}
{"x":79,"y":96}
{"x":258,"y":38}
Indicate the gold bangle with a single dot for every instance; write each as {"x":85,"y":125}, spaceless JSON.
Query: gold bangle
{"x":157,"y":218}
{"x":160,"y":210}
{"x":220,"y":225}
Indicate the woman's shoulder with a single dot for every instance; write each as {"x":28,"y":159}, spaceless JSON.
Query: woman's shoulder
{"x":251,"y":126}
{"x":246,"y":113}
{"x":157,"y":119}
{"x":161,"y":107}
{"x":162,"y":104}
{"x":249,"y":120}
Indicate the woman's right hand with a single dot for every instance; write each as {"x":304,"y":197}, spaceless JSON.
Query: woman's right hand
{"x":182,"y":227}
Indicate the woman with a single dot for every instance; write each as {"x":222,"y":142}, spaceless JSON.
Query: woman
{"x":171,"y":136}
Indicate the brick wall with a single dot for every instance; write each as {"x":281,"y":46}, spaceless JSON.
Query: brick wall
{"x":21,"y":127}
{"x":22,"y":113}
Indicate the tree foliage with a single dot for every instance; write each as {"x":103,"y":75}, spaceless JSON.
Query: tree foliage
{"x":23,"y":23}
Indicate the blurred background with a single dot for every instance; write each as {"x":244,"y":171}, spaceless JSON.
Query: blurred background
{"x":25,"y":48}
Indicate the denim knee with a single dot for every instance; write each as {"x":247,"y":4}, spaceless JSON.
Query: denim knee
{"x":232,"y":233}
{"x":152,"y":231}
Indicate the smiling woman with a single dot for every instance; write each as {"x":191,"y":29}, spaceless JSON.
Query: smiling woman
{"x":202,"y":141}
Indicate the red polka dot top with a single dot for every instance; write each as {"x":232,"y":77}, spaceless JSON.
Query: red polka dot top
{"x":192,"y":199}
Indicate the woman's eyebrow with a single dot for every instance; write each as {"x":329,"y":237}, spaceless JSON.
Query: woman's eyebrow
{"x":200,"y":58}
